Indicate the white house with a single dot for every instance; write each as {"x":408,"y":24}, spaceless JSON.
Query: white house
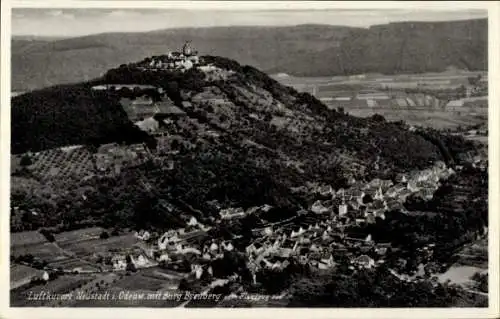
{"x":268,"y":231}
{"x":164,"y":257}
{"x":342,"y":209}
{"x":192,"y":221}
{"x":214,"y":247}
{"x":318,"y":208}
{"x":228,"y":246}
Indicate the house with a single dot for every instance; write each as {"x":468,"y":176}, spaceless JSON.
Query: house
{"x":427,"y":193}
{"x":404,"y":194}
{"x":214,"y":247}
{"x":354,"y":204}
{"x":364,"y":261}
{"x":284,"y":252}
{"x":300,"y":232}
{"x":227,"y":246}
{"x":380,"y":213}
{"x":326,"y":190}
{"x":140,"y":261}
{"x":192,"y":221}
{"x":401,"y":178}
{"x":164,"y":257}
{"x":326,"y":263}
{"x":412,"y":186}
{"x":318,"y":208}
{"x":231,"y":213}
{"x":356,"y":194}
{"x":314,"y":248}
{"x":368,"y":238}
{"x":169,"y":238}
{"x":342,"y":209}
{"x":381,"y":250}
{"x":359,"y":221}
{"x":119,"y":262}
{"x":370,"y":218}
{"x":250,"y":249}
{"x":303,"y":259}
{"x":268,"y":231}
{"x":143,"y":235}
{"x":197,"y":270}
{"x":379,"y":195}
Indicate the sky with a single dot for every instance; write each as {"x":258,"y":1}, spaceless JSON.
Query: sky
{"x":83,"y":21}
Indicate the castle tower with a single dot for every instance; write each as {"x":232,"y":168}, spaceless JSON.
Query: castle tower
{"x":186,"y":49}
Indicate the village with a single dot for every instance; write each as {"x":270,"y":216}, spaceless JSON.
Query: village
{"x":315,"y":238}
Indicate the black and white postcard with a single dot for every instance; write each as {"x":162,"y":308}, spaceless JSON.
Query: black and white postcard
{"x":289,"y":155}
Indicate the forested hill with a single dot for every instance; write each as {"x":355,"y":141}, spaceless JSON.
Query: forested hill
{"x":243,"y":140}
{"x":311,"y":50}
{"x":242,"y":105}
{"x":407,"y":47}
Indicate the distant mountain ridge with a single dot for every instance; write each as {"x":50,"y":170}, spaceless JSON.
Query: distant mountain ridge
{"x":303,"y":50}
{"x":402,"y":47}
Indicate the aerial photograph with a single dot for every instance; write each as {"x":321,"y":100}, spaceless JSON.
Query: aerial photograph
{"x":249,"y":158}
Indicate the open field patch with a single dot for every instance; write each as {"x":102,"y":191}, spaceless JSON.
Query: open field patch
{"x":85,"y":248}
{"x":73,"y":264}
{"x":46,"y":251}
{"x":26,"y":238}
{"x":79,"y":235}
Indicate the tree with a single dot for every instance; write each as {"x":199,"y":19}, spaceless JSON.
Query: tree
{"x":131,"y":267}
{"x":183,"y":285}
{"x":378,"y":118}
{"x":25,"y":160}
{"x":367,"y":199}
{"x":48,"y":235}
{"x":104,"y":235}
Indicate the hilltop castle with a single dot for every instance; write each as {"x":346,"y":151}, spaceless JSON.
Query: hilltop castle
{"x":184,"y":60}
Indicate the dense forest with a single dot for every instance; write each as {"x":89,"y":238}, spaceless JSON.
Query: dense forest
{"x":68,"y":115}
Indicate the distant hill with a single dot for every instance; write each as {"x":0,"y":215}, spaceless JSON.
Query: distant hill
{"x":40,"y":63}
{"x":311,"y":50}
{"x":409,"y":47}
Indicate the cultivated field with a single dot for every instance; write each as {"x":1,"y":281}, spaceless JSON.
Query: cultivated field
{"x":47,"y":251}
{"x":68,"y":162}
{"x":366,"y":95}
{"x":26,"y":238}
{"x":84,"y":248}
{"x":379,"y":81}
{"x":78,"y":235}
{"x":420,"y":117}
